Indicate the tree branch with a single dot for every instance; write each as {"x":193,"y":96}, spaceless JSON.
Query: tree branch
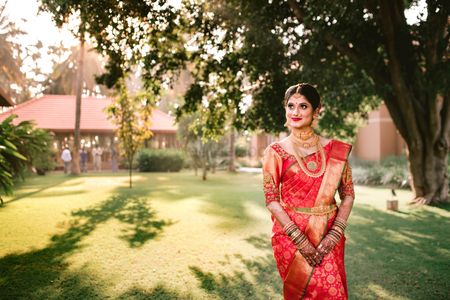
{"x":435,"y":28}
{"x":391,"y":20}
{"x":376,"y":71}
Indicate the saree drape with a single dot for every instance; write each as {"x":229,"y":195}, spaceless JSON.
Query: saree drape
{"x":307,"y":201}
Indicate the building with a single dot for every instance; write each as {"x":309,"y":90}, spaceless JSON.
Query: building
{"x":379,"y":138}
{"x":56,"y":113}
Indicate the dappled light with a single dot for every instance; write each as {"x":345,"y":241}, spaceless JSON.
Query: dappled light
{"x":182,"y":238}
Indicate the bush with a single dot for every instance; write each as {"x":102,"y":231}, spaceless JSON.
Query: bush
{"x":241,"y":151}
{"x":391,"y":171}
{"x":123,"y":163}
{"x":44,"y":161}
{"x":156,"y":160}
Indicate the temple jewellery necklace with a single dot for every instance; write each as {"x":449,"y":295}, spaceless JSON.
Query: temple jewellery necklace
{"x":299,"y":140}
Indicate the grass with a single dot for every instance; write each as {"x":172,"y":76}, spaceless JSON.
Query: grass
{"x":176,"y":237}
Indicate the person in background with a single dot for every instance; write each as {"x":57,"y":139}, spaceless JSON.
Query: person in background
{"x":97,"y":157}
{"x":66,"y":158}
{"x":83,"y":160}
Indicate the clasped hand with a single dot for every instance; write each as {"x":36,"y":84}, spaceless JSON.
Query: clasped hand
{"x":314,"y":255}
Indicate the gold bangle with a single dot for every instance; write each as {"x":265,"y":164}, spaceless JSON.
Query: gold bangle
{"x":291,"y":230}
{"x":298,"y":239}
{"x":295,"y":235}
{"x":290,"y":223}
{"x":336,"y":226}
{"x":335,"y":235}
{"x":302,"y":244}
{"x":301,"y":241}
{"x":340,"y":221}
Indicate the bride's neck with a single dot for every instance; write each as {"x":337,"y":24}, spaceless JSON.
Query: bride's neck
{"x":304,"y":133}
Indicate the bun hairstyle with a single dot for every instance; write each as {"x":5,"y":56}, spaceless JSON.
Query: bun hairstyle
{"x":306,"y":90}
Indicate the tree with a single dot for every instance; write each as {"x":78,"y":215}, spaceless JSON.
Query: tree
{"x":357,"y":52}
{"x":407,"y":63}
{"x":60,"y":17}
{"x":62,"y":80}
{"x":9,"y":58}
{"x":132,"y":117}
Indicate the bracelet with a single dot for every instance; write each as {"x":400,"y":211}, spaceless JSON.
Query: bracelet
{"x":295,"y":235}
{"x":299,"y":239}
{"x":341,"y":223}
{"x":334,"y":235}
{"x":303,"y":243}
{"x":289,"y":224}
{"x":291,"y":231}
{"x":339,"y":229}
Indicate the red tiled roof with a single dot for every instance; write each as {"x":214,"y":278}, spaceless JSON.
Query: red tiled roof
{"x":57,"y":113}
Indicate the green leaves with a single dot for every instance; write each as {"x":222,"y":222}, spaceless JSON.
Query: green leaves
{"x":132,"y":115}
{"x":19,"y":145}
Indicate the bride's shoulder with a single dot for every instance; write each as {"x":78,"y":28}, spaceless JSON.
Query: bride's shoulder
{"x":283,"y":141}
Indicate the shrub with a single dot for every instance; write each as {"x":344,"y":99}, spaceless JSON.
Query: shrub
{"x":391,"y":171}
{"x":157,"y":160}
{"x":241,"y":151}
{"x":20,"y":145}
{"x":44,"y":161}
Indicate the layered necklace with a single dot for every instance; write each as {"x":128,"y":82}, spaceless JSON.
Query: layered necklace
{"x":307,"y":139}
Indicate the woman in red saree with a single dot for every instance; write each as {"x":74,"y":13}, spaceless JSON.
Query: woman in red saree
{"x":301,"y":175}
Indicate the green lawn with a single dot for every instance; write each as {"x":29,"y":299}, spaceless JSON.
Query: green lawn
{"x":174,"y":236}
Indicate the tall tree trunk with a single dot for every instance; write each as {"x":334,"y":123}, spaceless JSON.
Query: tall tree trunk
{"x":130,"y":172}
{"x":429,"y":175}
{"x":232,"y":151}
{"x":428,"y":155}
{"x":204,"y":160}
{"x":205,"y":169}
{"x":77,"y":138}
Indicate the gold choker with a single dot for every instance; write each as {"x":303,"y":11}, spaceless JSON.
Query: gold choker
{"x":304,"y":134}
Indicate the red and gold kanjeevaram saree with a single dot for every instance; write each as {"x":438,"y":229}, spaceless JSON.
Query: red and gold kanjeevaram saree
{"x":310,"y":203}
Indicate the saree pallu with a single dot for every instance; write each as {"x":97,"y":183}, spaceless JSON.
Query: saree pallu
{"x":310,"y":203}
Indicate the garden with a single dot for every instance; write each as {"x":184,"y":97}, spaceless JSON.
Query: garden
{"x":174,"y":236}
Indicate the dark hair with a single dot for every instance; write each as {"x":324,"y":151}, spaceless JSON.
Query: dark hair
{"x":306,"y":90}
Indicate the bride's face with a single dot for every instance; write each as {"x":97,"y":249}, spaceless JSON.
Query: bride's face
{"x":299,"y":112}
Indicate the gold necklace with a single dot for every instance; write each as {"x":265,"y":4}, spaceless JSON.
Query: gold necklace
{"x":304,"y":134}
{"x":300,"y":142}
{"x":309,"y":167}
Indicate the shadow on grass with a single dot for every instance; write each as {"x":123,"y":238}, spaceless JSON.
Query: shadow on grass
{"x":444,"y":206}
{"x":58,"y":180}
{"x":388,"y":256}
{"x":225,"y":196}
{"x":160,"y":292}
{"x":392,"y":255}
{"x":257,"y":279}
{"x":37,"y":274}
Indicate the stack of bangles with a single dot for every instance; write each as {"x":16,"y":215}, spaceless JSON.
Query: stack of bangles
{"x":337,"y":230}
{"x":297,"y":237}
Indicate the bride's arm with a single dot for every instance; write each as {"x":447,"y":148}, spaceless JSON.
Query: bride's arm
{"x":347,"y":195}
